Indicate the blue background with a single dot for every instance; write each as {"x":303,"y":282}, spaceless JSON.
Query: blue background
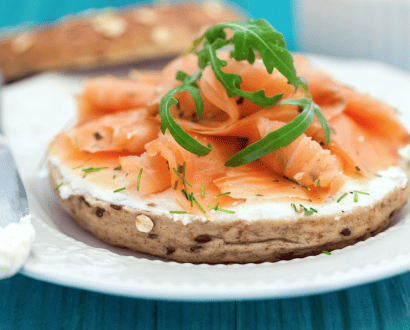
{"x":278,"y":12}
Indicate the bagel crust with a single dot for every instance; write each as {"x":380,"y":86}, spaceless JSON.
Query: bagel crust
{"x":239,"y":241}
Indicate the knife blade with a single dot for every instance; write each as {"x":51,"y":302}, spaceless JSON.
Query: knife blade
{"x":13,"y":197}
{"x":16,"y":231}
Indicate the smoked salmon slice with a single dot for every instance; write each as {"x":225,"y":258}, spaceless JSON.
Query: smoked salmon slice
{"x":186,"y":173}
{"x":109,"y":94}
{"x":303,"y":161}
{"x":124,"y":131}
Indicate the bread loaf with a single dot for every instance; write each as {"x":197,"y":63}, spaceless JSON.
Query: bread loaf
{"x":109,"y":37}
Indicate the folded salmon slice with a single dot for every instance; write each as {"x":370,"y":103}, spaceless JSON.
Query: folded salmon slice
{"x":303,"y":160}
{"x":362,"y":153}
{"x":124,"y":131}
{"x":257,"y":181}
{"x":185,"y":172}
{"x":108,"y":94}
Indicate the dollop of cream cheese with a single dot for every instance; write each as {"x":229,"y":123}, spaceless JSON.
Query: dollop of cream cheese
{"x":251,"y":210}
{"x":15,"y":245}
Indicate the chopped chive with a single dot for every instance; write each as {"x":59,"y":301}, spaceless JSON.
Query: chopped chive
{"x":202,"y":190}
{"x":126,"y":174}
{"x":303,"y":207}
{"x":114,"y":176}
{"x":184,"y":192}
{"x":191,"y":198}
{"x":121,"y":189}
{"x":358,"y":168}
{"x":226,"y":211}
{"x":214,"y":207}
{"x":224,"y":194}
{"x":312,"y":209}
{"x":119,"y":168}
{"x":318,"y":183}
{"x":307,"y":212}
{"x":199,"y":205}
{"x":58,"y":187}
{"x":326,"y":252}
{"x":139,"y":179}
{"x":356,"y":197}
{"x":291,"y":180}
{"x":360,"y":192}
{"x":94,"y":169}
{"x":77,"y":143}
{"x":341,"y":197}
{"x":78,"y":167}
{"x":306,"y":187}
{"x":178,"y":212}
{"x":294,"y":206}
{"x":181,"y":177}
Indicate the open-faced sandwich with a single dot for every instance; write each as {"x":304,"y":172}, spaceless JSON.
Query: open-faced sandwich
{"x":236,"y":152}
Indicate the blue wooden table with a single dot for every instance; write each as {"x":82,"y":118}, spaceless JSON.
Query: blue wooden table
{"x":30,"y":304}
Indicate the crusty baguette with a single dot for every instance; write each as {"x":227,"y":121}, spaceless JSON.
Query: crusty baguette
{"x":230,"y":241}
{"x":110,"y":37}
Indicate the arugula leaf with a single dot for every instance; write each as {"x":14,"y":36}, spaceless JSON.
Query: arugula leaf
{"x":167,"y":121}
{"x":282,"y":137}
{"x":231,"y":81}
{"x":256,"y":35}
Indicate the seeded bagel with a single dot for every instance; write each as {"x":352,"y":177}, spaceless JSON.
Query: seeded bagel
{"x":238,"y":241}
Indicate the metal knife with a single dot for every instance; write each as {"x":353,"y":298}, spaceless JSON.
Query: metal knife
{"x":16,"y":231}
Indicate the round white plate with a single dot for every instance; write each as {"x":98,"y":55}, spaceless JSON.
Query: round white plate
{"x":63,"y":253}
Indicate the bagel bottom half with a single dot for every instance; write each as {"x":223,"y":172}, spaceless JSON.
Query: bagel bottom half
{"x":237,"y":241}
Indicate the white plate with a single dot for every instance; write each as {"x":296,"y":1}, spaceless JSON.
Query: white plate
{"x":36,"y":109}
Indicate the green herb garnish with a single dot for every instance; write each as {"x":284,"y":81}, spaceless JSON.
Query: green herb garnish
{"x":248,"y":38}
{"x":199,"y":205}
{"x":358,"y":168}
{"x":216,"y":208}
{"x":294,"y":206}
{"x":341,"y":197}
{"x":202,"y":190}
{"x":318,"y":183}
{"x":94,"y":169}
{"x":224,"y":194}
{"x":360,"y":192}
{"x":178,"y":212}
{"x":78,"y":167}
{"x":114,"y":176}
{"x":119,"y":168}
{"x":306,"y":187}
{"x":121,"y":189}
{"x":58,"y":187}
{"x":356,"y":197}
{"x":139,"y":179}
{"x":77,"y":143}
{"x":312,"y":209}
{"x":182,"y":177}
{"x":326,"y":252}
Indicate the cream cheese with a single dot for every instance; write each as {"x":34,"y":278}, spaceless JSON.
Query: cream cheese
{"x":251,"y":210}
{"x":15,"y":245}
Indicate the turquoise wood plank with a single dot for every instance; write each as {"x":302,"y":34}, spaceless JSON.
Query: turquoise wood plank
{"x":30,"y":304}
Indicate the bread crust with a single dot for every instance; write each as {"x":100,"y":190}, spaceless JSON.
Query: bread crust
{"x":238,"y":241}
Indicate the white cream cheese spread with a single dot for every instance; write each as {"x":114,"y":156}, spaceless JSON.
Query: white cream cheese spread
{"x":15,"y":245}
